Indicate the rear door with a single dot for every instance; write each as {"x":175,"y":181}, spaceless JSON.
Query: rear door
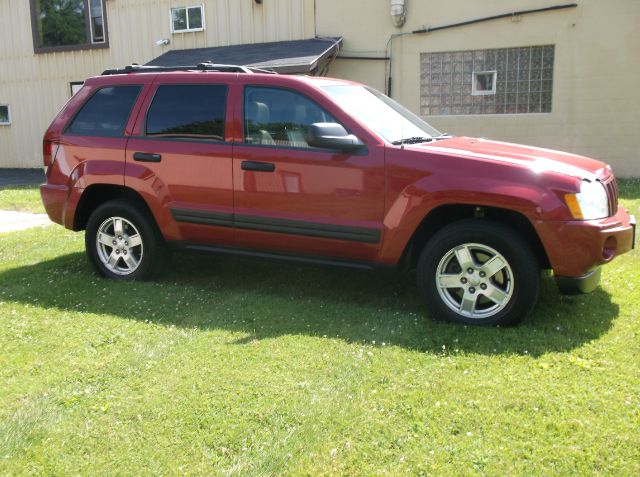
{"x":294,"y":198}
{"x":180,"y":158}
{"x":91,"y":147}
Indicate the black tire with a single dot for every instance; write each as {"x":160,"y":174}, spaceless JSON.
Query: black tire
{"x":134,"y":252}
{"x":506,"y":297}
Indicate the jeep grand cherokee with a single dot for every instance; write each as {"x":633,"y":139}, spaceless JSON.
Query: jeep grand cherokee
{"x":229,"y":160}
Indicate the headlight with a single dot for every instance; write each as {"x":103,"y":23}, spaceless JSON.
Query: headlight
{"x":590,"y":203}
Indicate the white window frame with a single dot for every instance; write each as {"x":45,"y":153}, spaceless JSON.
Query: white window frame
{"x":483,"y":92}
{"x":75,"y":86}
{"x":186,"y":9}
{"x":8,"y":122}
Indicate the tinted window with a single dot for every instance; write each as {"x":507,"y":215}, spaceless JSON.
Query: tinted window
{"x":280,"y":117}
{"x":190,"y":111}
{"x":106,"y":112}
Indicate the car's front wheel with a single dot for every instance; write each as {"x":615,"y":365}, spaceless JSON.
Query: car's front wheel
{"x":122,"y":243}
{"x":479,"y":272}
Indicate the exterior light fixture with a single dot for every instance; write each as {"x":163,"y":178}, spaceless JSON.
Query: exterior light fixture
{"x":398,"y":12}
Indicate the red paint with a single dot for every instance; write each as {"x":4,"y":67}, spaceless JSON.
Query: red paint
{"x":390,"y":189}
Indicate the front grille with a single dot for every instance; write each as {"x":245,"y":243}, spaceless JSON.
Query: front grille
{"x":612,"y":194}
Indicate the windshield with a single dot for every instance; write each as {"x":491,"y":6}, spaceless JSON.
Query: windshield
{"x":393,"y":122}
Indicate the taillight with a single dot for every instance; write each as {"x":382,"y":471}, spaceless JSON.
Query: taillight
{"x":47,"y":152}
{"x":49,"y":149}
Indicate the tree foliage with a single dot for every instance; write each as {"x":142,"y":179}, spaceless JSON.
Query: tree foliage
{"x":61,"y":22}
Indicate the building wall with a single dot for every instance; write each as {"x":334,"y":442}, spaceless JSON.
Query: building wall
{"x":36,"y":86}
{"x":595,"y":105}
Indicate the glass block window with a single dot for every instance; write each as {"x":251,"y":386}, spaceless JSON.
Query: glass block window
{"x":464,"y":82}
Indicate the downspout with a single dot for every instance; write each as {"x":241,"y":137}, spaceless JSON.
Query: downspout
{"x":516,"y":14}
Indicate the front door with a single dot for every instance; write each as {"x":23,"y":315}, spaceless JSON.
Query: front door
{"x":294,"y":198}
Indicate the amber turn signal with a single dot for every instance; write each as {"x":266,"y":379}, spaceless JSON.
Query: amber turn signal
{"x":574,"y":206}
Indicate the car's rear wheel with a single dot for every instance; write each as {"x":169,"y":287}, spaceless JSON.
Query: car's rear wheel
{"x":479,"y":272}
{"x":122,"y":243}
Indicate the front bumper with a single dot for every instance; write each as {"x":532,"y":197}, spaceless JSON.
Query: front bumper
{"x":577,"y":247}
{"x":584,"y":284}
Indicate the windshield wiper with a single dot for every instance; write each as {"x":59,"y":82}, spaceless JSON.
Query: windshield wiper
{"x":412,"y":140}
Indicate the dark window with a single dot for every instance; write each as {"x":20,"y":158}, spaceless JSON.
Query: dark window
{"x":106,"y":112}
{"x":279,"y":117}
{"x":68,"y":24}
{"x":5,"y":114}
{"x":188,"y":111}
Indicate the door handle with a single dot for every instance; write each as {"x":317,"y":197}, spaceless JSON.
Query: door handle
{"x":146,"y":157}
{"x":258,"y":166}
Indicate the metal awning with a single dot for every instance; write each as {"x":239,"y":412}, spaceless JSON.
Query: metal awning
{"x":312,"y":56}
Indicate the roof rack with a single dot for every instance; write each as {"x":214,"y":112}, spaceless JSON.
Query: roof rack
{"x":208,"y":66}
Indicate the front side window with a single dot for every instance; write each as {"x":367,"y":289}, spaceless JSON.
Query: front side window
{"x":188,"y":112}
{"x":5,"y":115}
{"x":68,"y":24}
{"x":185,"y":19}
{"x":106,"y":112}
{"x":278,"y":117}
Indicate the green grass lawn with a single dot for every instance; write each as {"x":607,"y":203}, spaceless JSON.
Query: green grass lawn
{"x":230,"y":367}
{"x":21,"y":199}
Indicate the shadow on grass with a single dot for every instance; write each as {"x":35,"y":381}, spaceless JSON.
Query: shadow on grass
{"x":262,"y":300}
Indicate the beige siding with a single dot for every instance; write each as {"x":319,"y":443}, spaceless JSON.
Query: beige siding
{"x":37,"y":85}
{"x":596,"y":103}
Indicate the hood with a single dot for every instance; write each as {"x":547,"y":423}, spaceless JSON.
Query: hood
{"x":536,"y":158}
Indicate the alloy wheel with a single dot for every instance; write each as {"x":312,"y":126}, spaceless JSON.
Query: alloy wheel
{"x":474,"y":280}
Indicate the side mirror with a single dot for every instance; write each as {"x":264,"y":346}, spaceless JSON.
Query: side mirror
{"x":332,"y":136}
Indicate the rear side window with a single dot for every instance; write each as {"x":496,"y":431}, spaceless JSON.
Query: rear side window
{"x":188,"y":111}
{"x":106,"y":112}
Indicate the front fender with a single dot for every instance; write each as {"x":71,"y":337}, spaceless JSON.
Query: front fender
{"x":520,"y":191}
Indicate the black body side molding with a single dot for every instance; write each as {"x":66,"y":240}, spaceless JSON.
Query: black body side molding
{"x":284,"y":226}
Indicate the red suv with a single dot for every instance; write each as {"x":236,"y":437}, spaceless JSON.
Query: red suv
{"x":236,"y":161}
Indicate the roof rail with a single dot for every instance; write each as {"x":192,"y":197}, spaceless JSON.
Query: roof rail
{"x":208,"y":66}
